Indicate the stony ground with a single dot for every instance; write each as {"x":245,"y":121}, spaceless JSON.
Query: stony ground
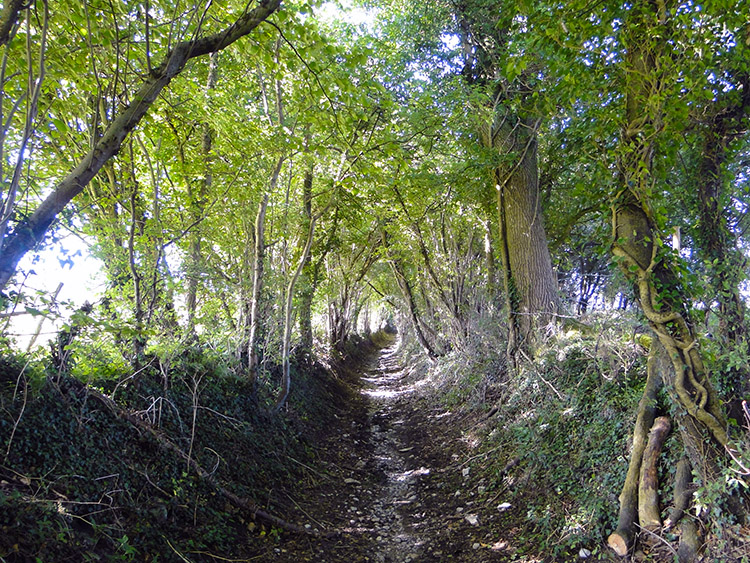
{"x":396,"y":484}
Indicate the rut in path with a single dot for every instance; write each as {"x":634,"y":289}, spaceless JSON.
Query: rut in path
{"x":397,"y":483}
{"x":397,"y":540}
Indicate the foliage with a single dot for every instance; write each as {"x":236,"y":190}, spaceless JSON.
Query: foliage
{"x":80,"y":482}
{"x":371,"y":132}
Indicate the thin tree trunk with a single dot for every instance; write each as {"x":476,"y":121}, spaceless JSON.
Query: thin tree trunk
{"x":406,"y":291}
{"x":197,"y":204}
{"x":138,"y":343}
{"x":307,"y":290}
{"x":286,"y":381}
{"x":258,"y":258}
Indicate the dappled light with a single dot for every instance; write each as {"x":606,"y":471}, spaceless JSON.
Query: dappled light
{"x":374,"y":282}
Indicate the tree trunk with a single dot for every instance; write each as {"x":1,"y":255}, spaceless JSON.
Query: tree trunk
{"x":408,"y":294}
{"x":286,"y":381}
{"x":197,"y":204}
{"x":31,"y":231}
{"x":724,"y":261}
{"x":8,"y":18}
{"x":307,"y":289}
{"x":682,"y":492}
{"x":528,"y":280}
{"x":258,"y":258}
{"x":640,"y":252}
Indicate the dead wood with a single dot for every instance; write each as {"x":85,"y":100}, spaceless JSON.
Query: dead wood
{"x":690,"y":541}
{"x":682,"y":492}
{"x":240,"y":502}
{"x":648,"y":488}
{"x":621,"y":540}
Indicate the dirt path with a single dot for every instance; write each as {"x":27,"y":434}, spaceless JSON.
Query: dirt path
{"x":396,"y":483}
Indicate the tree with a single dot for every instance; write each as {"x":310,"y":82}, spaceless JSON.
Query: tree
{"x":638,"y":243}
{"x":30,"y":231}
{"x":510,"y":128}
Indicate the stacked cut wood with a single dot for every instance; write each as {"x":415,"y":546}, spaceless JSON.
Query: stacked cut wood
{"x":639,"y":500}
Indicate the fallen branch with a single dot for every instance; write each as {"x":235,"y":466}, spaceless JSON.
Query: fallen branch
{"x":690,"y":541}
{"x":682,"y":492}
{"x":648,"y":489}
{"x":241,"y":502}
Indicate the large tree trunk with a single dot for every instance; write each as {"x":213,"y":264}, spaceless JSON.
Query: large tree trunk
{"x":526,"y":274}
{"x":31,"y":231}
{"x":725,"y":262}
{"x":641,"y":254}
{"x":528,"y":280}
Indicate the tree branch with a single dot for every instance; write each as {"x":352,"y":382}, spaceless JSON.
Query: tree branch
{"x":32,"y":230}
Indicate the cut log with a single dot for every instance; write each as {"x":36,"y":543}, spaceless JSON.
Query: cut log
{"x":648,"y":488}
{"x":621,"y":540}
{"x":682,"y":492}
{"x":690,"y":541}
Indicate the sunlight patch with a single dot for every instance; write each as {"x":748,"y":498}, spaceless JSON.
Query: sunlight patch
{"x":384,"y":394}
{"x":408,"y":474}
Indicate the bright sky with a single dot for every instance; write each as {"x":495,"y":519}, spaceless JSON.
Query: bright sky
{"x":67,"y":262}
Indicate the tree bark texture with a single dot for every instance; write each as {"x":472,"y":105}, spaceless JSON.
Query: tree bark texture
{"x":8,"y":18}
{"x":622,"y":539}
{"x":526,"y":274}
{"x":529,"y":283}
{"x":690,"y":541}
{"x":29,"y":232}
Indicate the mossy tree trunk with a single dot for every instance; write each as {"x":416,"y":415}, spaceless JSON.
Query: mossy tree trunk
{"x":642,"y":255}
{"x":725,"y":262}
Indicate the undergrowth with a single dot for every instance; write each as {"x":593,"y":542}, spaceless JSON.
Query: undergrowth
{"x":552,"y":436}
{"x":80,"y":483}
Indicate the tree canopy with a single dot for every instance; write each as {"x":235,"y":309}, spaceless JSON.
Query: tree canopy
{"x":269,"y":179}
